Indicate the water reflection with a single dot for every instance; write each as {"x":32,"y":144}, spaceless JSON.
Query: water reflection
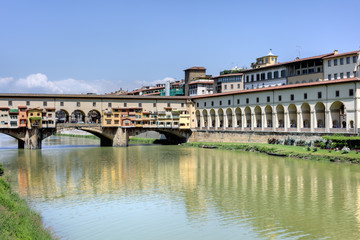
{"x":273,"y":197}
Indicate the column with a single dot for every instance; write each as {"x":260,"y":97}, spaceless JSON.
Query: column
{"x":274,"y":121}
{"x":33,"y":138}
{"x":327,"y":121}
{"x":121,"y":138}
{"x":299,"y":121}
{"x":262,"y":121}
{"x":242,"y":121}
{"x":286,"y":120}
{"x":253,"y":122}
{"x":312,"y":123}
{"x":233,"y":122}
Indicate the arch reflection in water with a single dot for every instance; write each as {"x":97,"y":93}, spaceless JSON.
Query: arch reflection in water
{"x":275,"y":197}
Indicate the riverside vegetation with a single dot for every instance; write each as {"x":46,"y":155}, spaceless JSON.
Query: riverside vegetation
{"x":318,"y":150}
{"x":17,"y":220}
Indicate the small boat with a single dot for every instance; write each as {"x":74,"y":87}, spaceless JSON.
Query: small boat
{"x":276,"y":154}
{"x":211,"y":147}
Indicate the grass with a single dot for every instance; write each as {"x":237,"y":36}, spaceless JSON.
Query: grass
{"x":290,"y":151}
{"x":17,"y":220}
{"x":136,"y":140}
{"x":76,"y":135}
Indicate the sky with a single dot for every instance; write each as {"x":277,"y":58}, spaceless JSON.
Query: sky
{"x":102,"y":46}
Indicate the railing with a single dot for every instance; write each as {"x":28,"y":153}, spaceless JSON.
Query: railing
{"x":68,"y":125}
{"x":305,"y":129}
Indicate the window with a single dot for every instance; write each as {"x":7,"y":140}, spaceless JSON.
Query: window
{"x":212,"y":103}
{"x":279,"y":97}
{"x":28,"y":103}
{"x":263,"y":76}
{"x":335,"y":62}
{"x":247,"y":78}
{"x":319,"y":95}
{"x":341,"y":75}
{"x":94,"y":104}
{"x":305,"y":95}
{"x":182,"y":104}
{"x":292,"y":97}
{"x":169,"y":104}
{"x":329,"y":76}
{"x":354,"y":73}
{"x":197,"y":104}
{"x":276,"y":74}
{"x":225,"y":86}
{"x":341,"y":61}
{"x":140,"y":104}
{"x":347,"y":60}
{"x":337,"y":93}
{"x":247,"y":100}
{"x":109,"y":104}
{"x":10,"y":103}
{"x":269,"y":75}
{"x":351,"y":92}
{"x":268,"y":99}
{"x":355,"y":59}
{"x":239,"y":85}
{"x":204,"y":104}
{"x":238,"y":101}
{"x":229,"y":102}
{"x":78,"y":104}
{"x":257,"y":77}
{"x":329,"y":63}
{"x":348,"y":75}
{"x":61,"y":104}
{"x":252,"y":78}
{"x":283,"y":73}
{"x":257,"y":99}
{"x":154,"y":104}
{"x":232,"y":86}
{"x":125,"y":104}
{"x":335,"y":76}
{"x":44,"y":103}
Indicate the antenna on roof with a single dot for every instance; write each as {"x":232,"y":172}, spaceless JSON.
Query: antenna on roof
{"x":298,"y":51}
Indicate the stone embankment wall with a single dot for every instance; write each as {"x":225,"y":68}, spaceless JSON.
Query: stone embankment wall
{"x":247,"y":137}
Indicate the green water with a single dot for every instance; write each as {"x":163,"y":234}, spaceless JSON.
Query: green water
{"x":173,"y":192}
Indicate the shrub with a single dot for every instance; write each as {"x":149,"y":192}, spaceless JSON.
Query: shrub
{"x":301,"y":143}
{"x":322,"y":145}
{"x":289,"y":141}
{"x":1,"y":170}
{"x":315,"y":149}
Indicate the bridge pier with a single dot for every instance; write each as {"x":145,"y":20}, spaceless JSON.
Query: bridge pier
{"x":121,"y":138}
{"x":21,"y":144}
{"x":33,"y":138}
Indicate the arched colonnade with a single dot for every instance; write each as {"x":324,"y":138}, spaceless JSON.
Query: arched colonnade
{"x":305,"y":117}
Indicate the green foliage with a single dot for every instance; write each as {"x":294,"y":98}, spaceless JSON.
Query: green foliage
{"x":17,"y":220}
{"x":1,"y":169}
{"x":340,"y":141}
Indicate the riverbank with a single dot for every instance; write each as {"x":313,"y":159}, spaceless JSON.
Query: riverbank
{"x":289,"y":151}
{"x":17,"y":220}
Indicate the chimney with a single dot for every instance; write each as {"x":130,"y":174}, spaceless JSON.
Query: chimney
{"x":336,"y":52}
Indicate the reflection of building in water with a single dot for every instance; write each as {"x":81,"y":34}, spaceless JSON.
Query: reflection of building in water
{"x":239,"y":187}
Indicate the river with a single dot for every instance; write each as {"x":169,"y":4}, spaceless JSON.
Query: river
{"x":84,"y":191}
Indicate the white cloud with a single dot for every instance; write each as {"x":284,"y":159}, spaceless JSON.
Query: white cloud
{"x":6,"y":80}
{"x":39,"y":83}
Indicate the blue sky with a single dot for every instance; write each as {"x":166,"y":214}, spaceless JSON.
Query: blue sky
{"x":101,"y":46}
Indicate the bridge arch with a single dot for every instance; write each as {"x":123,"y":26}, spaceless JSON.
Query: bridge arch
{"x":94,"y":116}
{"x":62,"y":116}
{"x":78,"y":116}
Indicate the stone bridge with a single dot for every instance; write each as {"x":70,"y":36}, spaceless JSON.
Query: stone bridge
{"x":109,"y":136}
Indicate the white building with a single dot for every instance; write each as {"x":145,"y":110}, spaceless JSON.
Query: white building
{"x":201,"y":87}
{"x":268,"y":76}
{"x":340,"y":66}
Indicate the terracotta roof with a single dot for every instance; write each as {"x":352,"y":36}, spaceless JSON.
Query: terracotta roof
{"x":342,"y":54}
{"x":279,"y":87}
{"x":151,"y":94}
{"x":50,"y":108}
{"x":196,"y":68}
{"x":22,"y":106}
{"x":4,"y":108}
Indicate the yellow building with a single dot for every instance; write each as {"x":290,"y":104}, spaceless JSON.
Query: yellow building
{"x":34,"y":118}
{"x":267,"y":60}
